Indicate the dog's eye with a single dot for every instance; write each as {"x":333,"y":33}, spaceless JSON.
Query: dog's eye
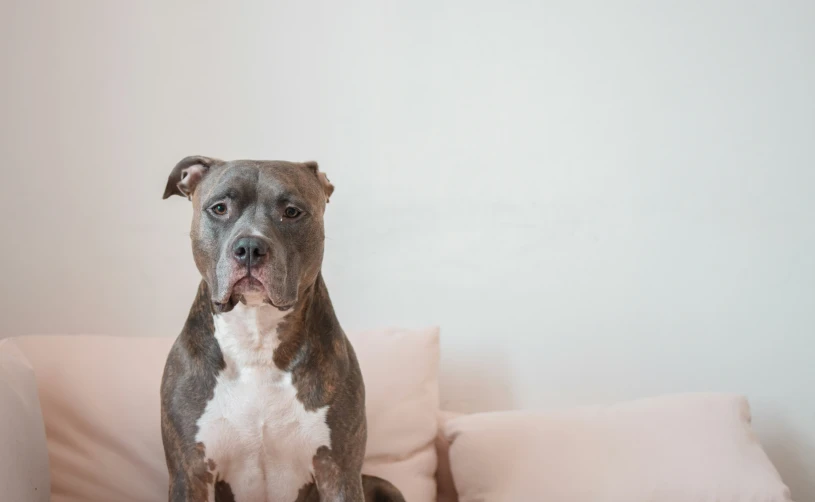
{"x":291,"y":212}
{"x":219,"y":209}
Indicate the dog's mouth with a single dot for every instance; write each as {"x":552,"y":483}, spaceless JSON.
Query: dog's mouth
{"x":248,"y":285}
{"x":250,"y":291}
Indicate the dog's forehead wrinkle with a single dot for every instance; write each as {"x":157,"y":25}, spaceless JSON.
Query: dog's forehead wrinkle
{"x":293,"y":181}
{"x":219,"y":172}
{"x":230,"y":174}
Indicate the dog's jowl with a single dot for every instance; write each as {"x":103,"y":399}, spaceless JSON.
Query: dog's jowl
{"x":262,"y":399}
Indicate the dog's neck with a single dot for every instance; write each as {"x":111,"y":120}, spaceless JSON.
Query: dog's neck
{"x":249,"y":334}
{"x":259,"y":334}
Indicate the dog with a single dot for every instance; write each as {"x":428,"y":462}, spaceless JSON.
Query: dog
{"x":262,"y":399}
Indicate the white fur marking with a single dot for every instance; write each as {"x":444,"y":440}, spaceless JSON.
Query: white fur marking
{"x":260,"y":436}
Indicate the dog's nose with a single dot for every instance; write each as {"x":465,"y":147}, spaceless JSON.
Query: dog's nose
{"x":249,"y":251}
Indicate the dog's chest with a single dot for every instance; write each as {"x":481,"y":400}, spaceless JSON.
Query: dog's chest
{"x":259,"y":437}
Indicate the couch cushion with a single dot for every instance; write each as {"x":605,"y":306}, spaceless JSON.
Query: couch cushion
{"x":686,"y":448}
{"x":24,"y":475}
{"x":100,"y":400}
{"x":446,"y":488}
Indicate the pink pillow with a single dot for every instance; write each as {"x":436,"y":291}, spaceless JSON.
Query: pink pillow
{"x":683,"y":448}
{"x":100,"y":402}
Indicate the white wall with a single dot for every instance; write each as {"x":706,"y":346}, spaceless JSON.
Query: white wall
{"x":595,"y":200}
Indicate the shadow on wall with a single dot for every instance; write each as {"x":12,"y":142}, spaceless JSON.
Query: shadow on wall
{"x":792,"y":454}
{"x":476,"y":385}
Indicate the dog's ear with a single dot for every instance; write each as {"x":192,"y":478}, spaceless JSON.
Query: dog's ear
{"x":328,"y":188}
{"x":186,"y":175}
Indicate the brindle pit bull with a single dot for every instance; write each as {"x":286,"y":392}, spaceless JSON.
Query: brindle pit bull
{"x":262,"y":399}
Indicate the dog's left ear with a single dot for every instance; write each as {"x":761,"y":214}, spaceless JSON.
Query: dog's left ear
{"x":186,"y":175}
{"x":328,"y":188}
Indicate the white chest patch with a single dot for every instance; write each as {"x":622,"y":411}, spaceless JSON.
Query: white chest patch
{"x":260,"y":437}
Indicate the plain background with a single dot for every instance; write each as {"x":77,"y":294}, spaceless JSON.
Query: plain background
{"x":595,"y":200}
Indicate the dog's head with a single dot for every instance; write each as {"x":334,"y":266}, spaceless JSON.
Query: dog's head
{"x":257,"y":227}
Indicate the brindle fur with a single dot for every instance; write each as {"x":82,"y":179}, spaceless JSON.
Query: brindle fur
{"x":313,"y":347}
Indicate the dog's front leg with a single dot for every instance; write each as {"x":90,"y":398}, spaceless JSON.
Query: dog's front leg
{"x":334,"y":483}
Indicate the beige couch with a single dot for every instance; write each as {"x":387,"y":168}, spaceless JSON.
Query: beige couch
{"x":80,"y":422}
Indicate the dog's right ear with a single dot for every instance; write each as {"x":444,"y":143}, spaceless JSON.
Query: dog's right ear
{"x":187,"y":174}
